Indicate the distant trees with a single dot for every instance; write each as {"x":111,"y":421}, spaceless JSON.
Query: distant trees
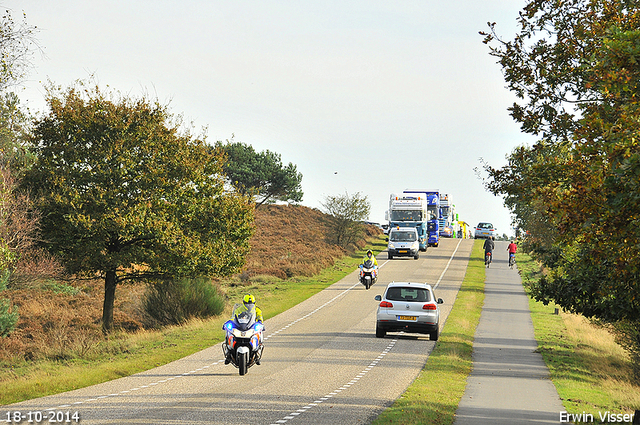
{"x":260,"y":174}
{"x":124,"y":195}
{"x":574,"y":65}
{"x":346,"y":215}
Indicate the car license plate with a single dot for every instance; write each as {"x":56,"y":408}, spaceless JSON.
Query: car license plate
{"x":402,"y":251}
{"x":407,"y":318}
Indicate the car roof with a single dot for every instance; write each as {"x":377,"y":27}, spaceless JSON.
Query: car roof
{"x":414,"y":284}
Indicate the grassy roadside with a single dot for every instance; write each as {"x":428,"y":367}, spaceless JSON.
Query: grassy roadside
{"x":125,"y":354}
{"x":435,"y":394}
{"x":590,"y":371}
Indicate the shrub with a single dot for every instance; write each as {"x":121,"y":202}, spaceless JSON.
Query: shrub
{"x":8,"y":313}
{"x":8,"y":317}
{"x":174,"y":301}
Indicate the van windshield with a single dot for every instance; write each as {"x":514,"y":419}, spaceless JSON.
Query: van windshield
{"x":402,"y":236}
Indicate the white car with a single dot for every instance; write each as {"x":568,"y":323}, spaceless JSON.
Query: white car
{"x":409,"y":307}
{"x":485,"y":231}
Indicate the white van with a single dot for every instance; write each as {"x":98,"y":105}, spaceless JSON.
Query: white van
{"x":403,"y":242}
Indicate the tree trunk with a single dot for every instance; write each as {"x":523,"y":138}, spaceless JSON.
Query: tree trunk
{"x":110,"y":283}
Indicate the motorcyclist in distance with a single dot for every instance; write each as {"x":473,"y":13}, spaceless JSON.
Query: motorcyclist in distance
{"x":371,"y":257}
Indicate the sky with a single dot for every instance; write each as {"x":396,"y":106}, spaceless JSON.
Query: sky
{"x":362,"y":96}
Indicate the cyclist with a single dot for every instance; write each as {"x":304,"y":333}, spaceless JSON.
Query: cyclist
{"x":512,"y":248}
{"x":488,"y":249}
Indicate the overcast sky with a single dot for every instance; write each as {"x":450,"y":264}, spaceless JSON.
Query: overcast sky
{"x":362,"y":96}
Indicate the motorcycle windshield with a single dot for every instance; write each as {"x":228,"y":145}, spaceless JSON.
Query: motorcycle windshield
{"x":368,"y":264}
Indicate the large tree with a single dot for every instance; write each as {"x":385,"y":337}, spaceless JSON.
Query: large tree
{"x":261,"y":174}
{"x":575,"y":65}
{"x":125,"y":194}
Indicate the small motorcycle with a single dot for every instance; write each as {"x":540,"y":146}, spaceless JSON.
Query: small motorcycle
{"x":368,"y":273}
{"x":243,"y":343}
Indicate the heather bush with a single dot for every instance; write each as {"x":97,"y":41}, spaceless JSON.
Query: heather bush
{"x":174,"y":301}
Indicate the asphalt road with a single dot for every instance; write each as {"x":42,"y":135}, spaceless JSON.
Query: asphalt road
{"x":322,"y":363}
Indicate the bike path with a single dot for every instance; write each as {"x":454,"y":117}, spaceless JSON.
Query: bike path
{"x":510,"y":382}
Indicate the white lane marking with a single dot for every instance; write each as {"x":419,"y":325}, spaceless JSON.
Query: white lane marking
{"x":447,"y":268}
{"x":336,"y":391}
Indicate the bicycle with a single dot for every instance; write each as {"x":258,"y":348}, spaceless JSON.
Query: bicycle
{"x":487,"y":258}
{"x":512,"y":259}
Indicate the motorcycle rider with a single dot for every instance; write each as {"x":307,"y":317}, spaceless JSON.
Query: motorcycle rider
{"x":248,"y":304}
{"x":488,"y":246}
{"x":371,"y":257}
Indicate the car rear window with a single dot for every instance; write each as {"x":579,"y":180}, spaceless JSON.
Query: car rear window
{"x":399,"y":293}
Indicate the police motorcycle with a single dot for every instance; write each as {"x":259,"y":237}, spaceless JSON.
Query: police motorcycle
{"x":368,"y":273}
{"x":243,"y":343}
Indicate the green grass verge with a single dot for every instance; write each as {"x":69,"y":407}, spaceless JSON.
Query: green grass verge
{"x":124,"y":354}
{"x":590,"y":371}
{"x":434,"y":396}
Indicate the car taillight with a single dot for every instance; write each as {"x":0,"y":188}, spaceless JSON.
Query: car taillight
{"x":429,"y":307}
{"x":386,"y":304}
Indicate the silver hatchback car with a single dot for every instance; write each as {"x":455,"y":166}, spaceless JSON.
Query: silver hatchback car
{"x":485,"y":231}
{"x":409,"y":307}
